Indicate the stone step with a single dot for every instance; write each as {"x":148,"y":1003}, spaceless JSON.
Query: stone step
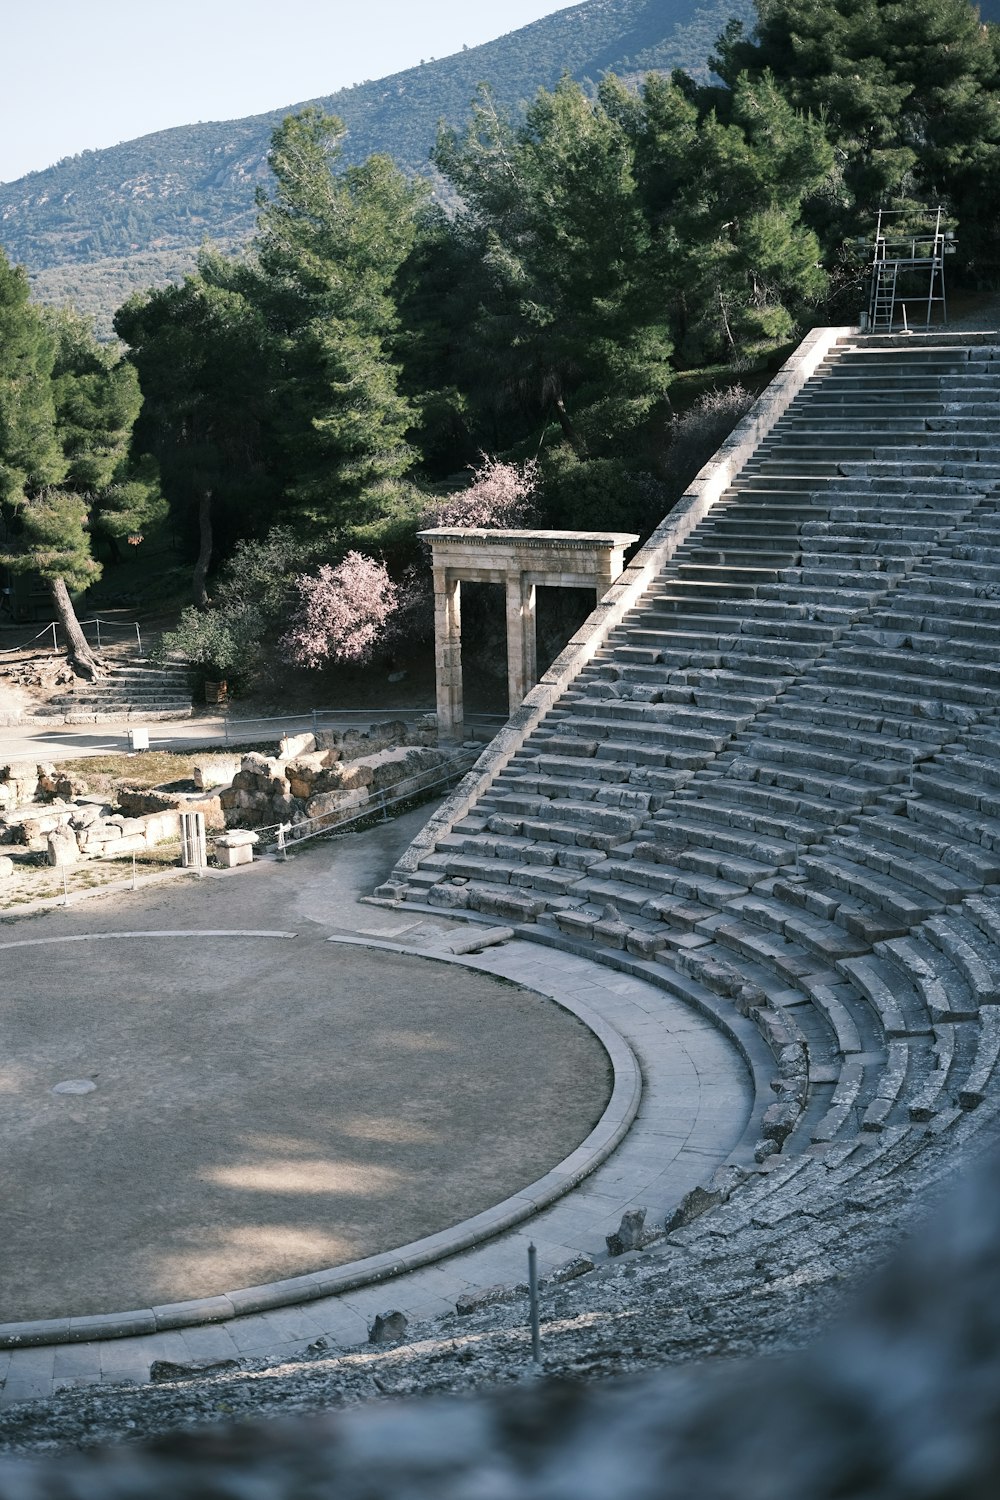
{"x":939,"y":985}
{"x":927,"y":705}
{"x":790,"y":763}
{"x":964,"y":826}
{"x":904,"y":903}
{"x":844,"y":718}
{"x":983,"y":1073}
{"x":860,"y":918}
{"x":915,"y":680}
{"x":844,"y":740}
{"x":969,"y":951}
{"x":124,"y":712}
{"x":653,"y":729}
{"x":984,"y":913}
{"x":944,"y":884}
{"x":762,"y":612}
{"x":823,"y":939}
{"x":892,"y":997}
{"x":774,"y":823}
{"x":969,"y":859}
{"x":940,"y":1089}
{"x":847,"y":593}
{"x":942,"y":785}
{"x":669,"y":715}
{"x":673,"y":831}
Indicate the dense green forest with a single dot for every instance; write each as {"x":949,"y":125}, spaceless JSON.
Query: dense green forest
{"x":90,"y":226}
{"x":562,"y":337}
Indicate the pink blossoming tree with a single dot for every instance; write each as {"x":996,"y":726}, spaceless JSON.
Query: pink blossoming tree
{"x":341,"y":612}
{"x":500,"y":495}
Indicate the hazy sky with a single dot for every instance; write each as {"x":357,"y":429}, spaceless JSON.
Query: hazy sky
{"x":87,"y":73}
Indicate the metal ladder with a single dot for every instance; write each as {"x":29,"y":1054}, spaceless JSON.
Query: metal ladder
{"x":882,"y":305}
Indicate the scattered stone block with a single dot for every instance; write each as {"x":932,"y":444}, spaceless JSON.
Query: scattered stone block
{"x":208,"y":773}
{"x":388,"y":1328}
{"x":476,"y":942}
{"x":6,"y":867}
{"x":580,"y":1265}
{"x":291,"y":746}
{"x":334,"y":807}
{"x":62,"y":847}
{"x":631,"y":1233}
{"x":700,"y":1199}
{"x":235,"y":848}
{"x":488,"y":1296}
{"x":779,"y":1121}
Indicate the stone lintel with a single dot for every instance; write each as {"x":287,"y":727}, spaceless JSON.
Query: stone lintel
{"x":544,"y":548}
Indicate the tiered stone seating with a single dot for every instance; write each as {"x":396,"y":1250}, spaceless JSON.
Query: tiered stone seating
{"x":779,"y":779}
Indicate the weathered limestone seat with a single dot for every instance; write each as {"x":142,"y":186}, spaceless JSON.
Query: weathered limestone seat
{"x":778,"y":780}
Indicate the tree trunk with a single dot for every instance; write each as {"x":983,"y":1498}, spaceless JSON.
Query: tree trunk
{"x":82,"y":659}
{"x":204,"y":550}
{"x":569,"y":431}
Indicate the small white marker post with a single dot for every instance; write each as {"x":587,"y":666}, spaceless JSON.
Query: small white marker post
{"x":536,"y":1341}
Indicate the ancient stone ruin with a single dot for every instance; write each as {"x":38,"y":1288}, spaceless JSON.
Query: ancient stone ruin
{"x":765,"y":777}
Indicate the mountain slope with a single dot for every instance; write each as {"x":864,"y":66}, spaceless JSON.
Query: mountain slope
{"x":161,"y":195}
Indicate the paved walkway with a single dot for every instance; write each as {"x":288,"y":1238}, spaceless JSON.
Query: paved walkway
{"x":695,"y":1103}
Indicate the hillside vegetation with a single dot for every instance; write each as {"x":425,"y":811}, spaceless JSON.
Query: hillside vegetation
{"x":134,"y":213}
{"x":615,"y":262}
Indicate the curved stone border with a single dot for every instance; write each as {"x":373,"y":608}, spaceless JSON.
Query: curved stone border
{"x":609,"y":1131}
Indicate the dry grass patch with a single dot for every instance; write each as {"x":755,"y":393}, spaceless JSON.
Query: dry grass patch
{"x":34,"y":879}
{"x":142,"y":768}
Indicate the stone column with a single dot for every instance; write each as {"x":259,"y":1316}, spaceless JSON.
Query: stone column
{"x":522,"y":669}
{"x":448,"y":655}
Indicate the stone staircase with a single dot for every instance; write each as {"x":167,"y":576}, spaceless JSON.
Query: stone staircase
{"x":131,"y":689}
{"x":776,"y":785}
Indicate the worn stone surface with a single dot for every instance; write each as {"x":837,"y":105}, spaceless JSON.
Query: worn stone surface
{"x":900,"y":1401}
{"x":388,"y":1328}
{"x":168,"y":1369}
{"x":62,"y":847}
{"x":631,"y":1233}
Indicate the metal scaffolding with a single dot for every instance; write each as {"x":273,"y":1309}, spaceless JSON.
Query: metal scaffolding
{"x":907,"y":270}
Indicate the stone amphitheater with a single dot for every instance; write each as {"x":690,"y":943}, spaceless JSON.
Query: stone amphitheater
{"x":765,"y":779}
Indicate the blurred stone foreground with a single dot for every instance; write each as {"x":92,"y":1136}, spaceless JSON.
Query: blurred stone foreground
{"x":900,"y":1401}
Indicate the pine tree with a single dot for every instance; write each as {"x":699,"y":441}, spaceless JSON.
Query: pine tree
{"x":328,"y":250}
{"x":45,"y":524}
{"x":97,"y":400}
{"x":907,"y":91}
{"x":571,"y":316}
{"x":727,"y":199}
{"x":201,"y":352}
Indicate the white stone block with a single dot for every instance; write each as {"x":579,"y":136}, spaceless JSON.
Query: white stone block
{"x":230,"y":855}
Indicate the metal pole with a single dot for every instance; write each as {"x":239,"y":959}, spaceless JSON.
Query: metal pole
{"x":536,"y":1340}
{"x":65,"y":888}
{"x":98,"y":624}
{"x":138,"y":638}
{"x":55,"y":643}
{"x":133,"y":869}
